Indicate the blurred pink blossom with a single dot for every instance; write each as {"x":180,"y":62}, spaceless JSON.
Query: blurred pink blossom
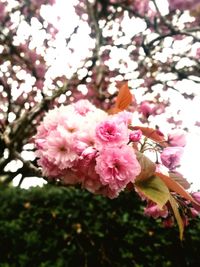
{"x":2,"y":11}
{"x":154,"y":211}
{"x":177,"y":138}
{"x":141,"y":7}
{"x":148,"y":108}
{"x":171,"y":156}
{"x":83,"y":106}
{"x":183,"y":4}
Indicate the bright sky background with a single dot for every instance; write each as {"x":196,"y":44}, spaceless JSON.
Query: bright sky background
{"x":190,"y":110}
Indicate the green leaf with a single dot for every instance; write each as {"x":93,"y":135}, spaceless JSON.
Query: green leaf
{"x":176,"y":187}
{"x":177,"y":215}
{"x":154,"y":189}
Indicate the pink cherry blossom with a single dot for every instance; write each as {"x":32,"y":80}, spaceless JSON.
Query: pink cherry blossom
{"x":141,"y":6}
{"x":183,"y":5}
{"x":71,"y":177}
{"x":110,"y":132}
{"x":2,"y":11}
{"x":83,"y":140}
{"x":124,"y":117}
{"x":171,"y":156}
{"x":194,"y":212}
{"x":198,"y":53}
{"x":107,"y":192}
{"x":146,"y":109}
{"x":59,"y":149}
{"x":177,"y":138}
{"x":154,"y":211}
{"x":117,"y":167}
{"x":40,"y":70}
{"x":87,"y":160}
{"x":92,"y":185}
{"x":38,"y":3}
{"x":135,"y":136}
{"x":49,"y":169}
{"x":83,"y":106}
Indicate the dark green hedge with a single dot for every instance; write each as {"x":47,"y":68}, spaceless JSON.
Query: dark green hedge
{"x":56,"y":227}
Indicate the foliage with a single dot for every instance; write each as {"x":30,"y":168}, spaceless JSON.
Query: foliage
{"x":55,"y":226}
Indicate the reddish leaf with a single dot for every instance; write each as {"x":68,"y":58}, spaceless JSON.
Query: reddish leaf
{"x":148,"y":168}
{"x":177,"y":215}
{"x":124,"y":98}
{"x":176,"y":187}
{"x":151,"y":133}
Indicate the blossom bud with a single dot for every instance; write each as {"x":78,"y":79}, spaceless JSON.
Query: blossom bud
{"x":135,"y":136}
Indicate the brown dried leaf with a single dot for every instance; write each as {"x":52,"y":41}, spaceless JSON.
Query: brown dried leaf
{"x":180,"y":179}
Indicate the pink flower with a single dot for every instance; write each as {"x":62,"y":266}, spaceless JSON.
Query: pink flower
{"x":71,"y":177}
{"x":83,"y":106}
{"x":82,"y":141}
{"x":183,"y":5}
{"x":2,"y":11}
{"x":38,"y":3}
{"x":171,"y":156}
{"x":135,"y":136}
{"x":124,"y":117}
{"x":40,"y":70}
{"x":146,"y":109}
{"x":59,"y":149}
{"x":141,"y":6}
{"x":107,"y":192}
{"x":92,"y":185}
{"x":117,"y":167}
{"x":49,"y":169}
{"x":198,"y":53}
{"x":86,"y":159}
{"x":194,"y":212}
{"x":110,"y":132}
{"x":154,"y":211}
{"x":177,"y":138}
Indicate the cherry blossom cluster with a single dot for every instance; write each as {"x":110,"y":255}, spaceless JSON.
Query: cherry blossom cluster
{"x":105,"y":154}
{"x":80,"y":143}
